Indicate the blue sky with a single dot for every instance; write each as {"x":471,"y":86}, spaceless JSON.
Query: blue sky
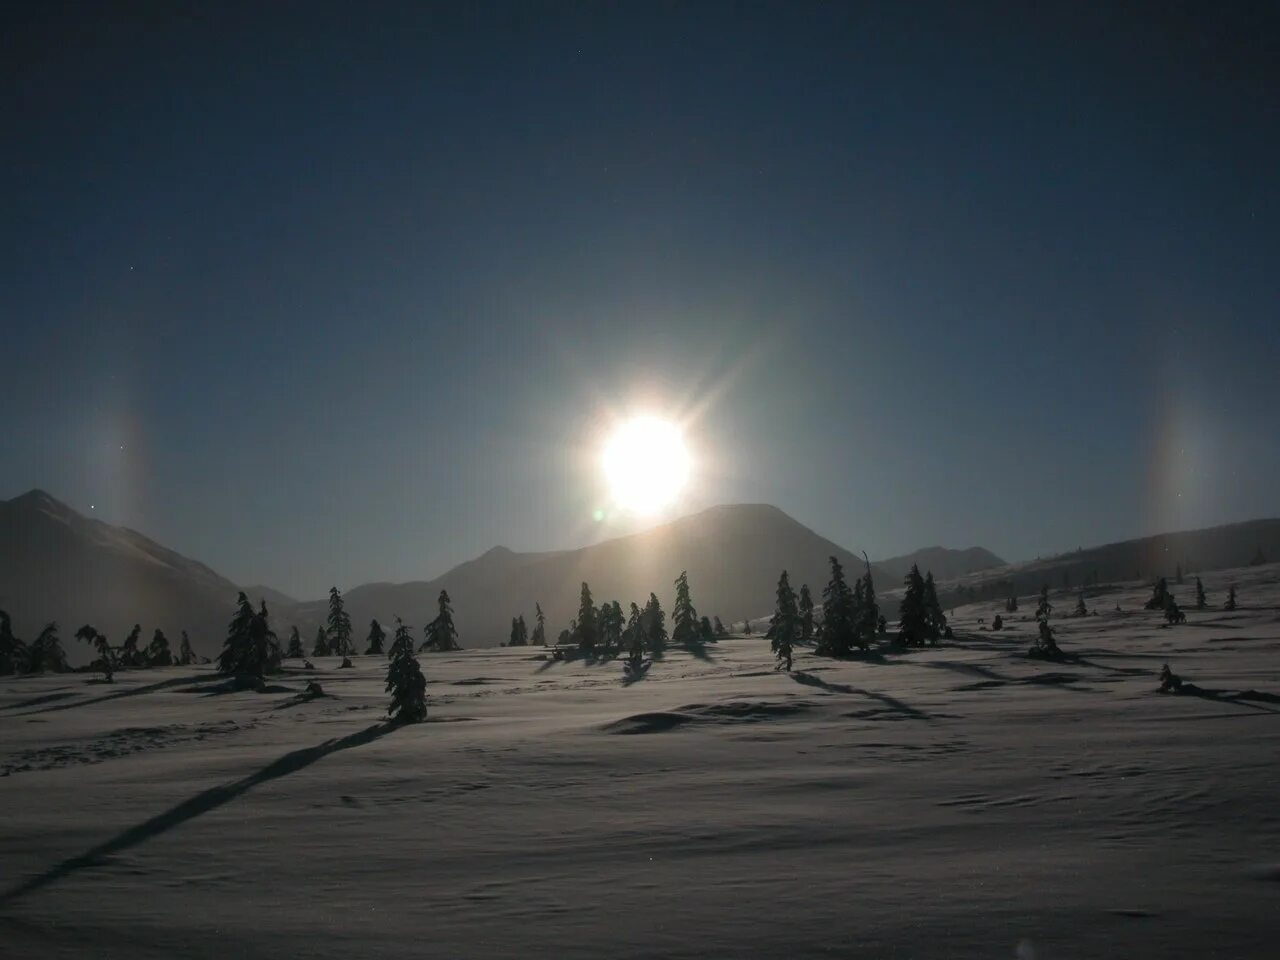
{"x":329,"y":294}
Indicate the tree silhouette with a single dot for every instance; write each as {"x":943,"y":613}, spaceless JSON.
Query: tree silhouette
{"x":1172,"y":613}
{"x":294,"y":650}
{"x":784,"y":625}
{"x":806,"y":613}
{"x":718,"y":628}
{"x":13,"y":652}
{"x":1201,"y":602}
{"x":321,"y":646}
{"x":655,"y":625}
{"x":106,"y":662}
{"x":130,"y":655}
{"x":1081,"y":610}
{"x":539,"y":638}
{"x":1011,"y":605}
{"x":339,"y":626}
{"x":684,"y":618}
{"x":1044,"y":608}
{"x":612,"y":622}
{"x":405,"y":682}
{"x":187,"y":656}
{"x":634,"y":634}
{"x":586,"y":631}
{"x":46,"y":654}
{"x":1159,"y":594}
{"x":705,"y":631}
{"x":1231,"y":598}
{"x":158,"y":652}
{"x":251,"y":649}
{"x":838,"y":633}
{"x":913,"y":613}
{"x":441,"y":634}
{"x":868,"y":622}
{"x":746,"y":627}
{"x":376,"y":638}
{"x":514,"y":639}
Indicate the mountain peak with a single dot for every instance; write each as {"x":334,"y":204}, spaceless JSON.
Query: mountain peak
{"x":37,"y":499}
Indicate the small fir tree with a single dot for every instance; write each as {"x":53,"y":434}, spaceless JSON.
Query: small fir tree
{"x":718,"y":628}
{"x":935,"y":619}
{"x":539,"y":638}
{"x":106,"y":662}
{"x":1159,"y":594}
{"x":1201,"y":602}
{"x":1081,"y":610}
{"x":235,"y":649}
{"x":784,"y":625}
{"x":294,"y":650}
{"x":13,"y":652}
{"x":441,"y":634}
{"x":130,"y":655}
{"x":339,"y":626}
{"x":913,"y":611}
{"x":1044,"y":608}
{"x":746,"y":628}
{"x":158,"y":652}
{"x":1231,"y":598}
{"x":377,"y":637}
{"x":320,"y":648}
{"x":1172,"y":613}
{"x":187,"y":656}
{"x":655,"y":625}
{"x":684,"y":618}
{"x":46,"y":654}
{"x":405,"y":682}
{"x":587,"y":631}
{"x":838,"y":633}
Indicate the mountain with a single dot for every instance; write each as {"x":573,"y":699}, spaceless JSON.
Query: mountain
{"x":1145,"y":558}
{"x":945,"y":563}
{"x":733,"y":555}
{"x":57,"y":564}
{"x":274,"y":598}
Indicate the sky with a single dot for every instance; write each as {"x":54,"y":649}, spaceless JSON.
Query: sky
{"x":334,"y":293}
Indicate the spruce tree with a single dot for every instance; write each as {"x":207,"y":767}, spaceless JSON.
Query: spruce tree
{"x":1081,"y":610}
{"x":746,"y":627}
{"x":586,"y":632}
{"x":106,"y":662}
{"x":913,"y":615}
{"x":441,"y":634}
{"x":806,"y":613}
{"x":706,"y":631}
{"x":784,"y":625}
{"x":1011,"y":605}
{"x":377,"y":636}
{"x":655,"y":625}
{"x":236,"y":657}
{"x":838,"y":633}
{"x":636,"y":640}
{"x":321,"y":646}
{"x":1231,"y":598}
{"x":1201,"y":602}
{"x":264,"y":644}
{"x":1044,"y":608}
{"x":513,"y":639}
{"x":339,"y":626}
{"x":1159,"y":594}
{"x":187,"y":656}
{"x":684,"y":618}
{"x":1172,"y":613}
{"x":539,"y":638}
{"x":158,"y":653}
{"x":130,"y":655}
{"x":13,"y":652}
{"x":294,"y":650}
{"x":46,"y":654}
{"x":405,"y":682}
{"x":718,"y":628}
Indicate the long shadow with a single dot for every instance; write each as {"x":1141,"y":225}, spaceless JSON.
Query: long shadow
{"x":969,"y":668}
{"x":1246,"y":698}
{"x":201,"y":803}
{"x":892,"y":703}
{"x":130,"y":692}
{"x":698,"y":650}
{"x":36,"y":701}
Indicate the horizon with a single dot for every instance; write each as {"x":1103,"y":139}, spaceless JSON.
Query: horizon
{"x":318,"y":594}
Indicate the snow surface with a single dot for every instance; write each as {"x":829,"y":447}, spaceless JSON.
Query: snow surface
{"x":962,"y":801}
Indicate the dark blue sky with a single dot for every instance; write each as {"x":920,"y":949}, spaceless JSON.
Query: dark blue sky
{"x":334,"y":294}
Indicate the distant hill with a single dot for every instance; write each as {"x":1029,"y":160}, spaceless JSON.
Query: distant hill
{"x":56,"y":564}
{"x":274,"y":598}
{"x":733,"y":555}
{"x":945,"y":563}
{"x":1146,"y":558}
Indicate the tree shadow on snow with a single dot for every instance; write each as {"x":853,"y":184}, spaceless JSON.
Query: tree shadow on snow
{"x":128,"y":692}
{"x":799,"y":676}
{"x":201,"y":803}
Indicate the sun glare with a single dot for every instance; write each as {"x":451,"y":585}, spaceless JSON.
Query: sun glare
{"x":646,"y":464}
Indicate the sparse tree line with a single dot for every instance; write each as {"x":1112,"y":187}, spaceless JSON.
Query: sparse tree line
{"x":45,"y":653}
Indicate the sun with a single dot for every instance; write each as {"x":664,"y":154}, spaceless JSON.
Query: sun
{"x":646,"y":464}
